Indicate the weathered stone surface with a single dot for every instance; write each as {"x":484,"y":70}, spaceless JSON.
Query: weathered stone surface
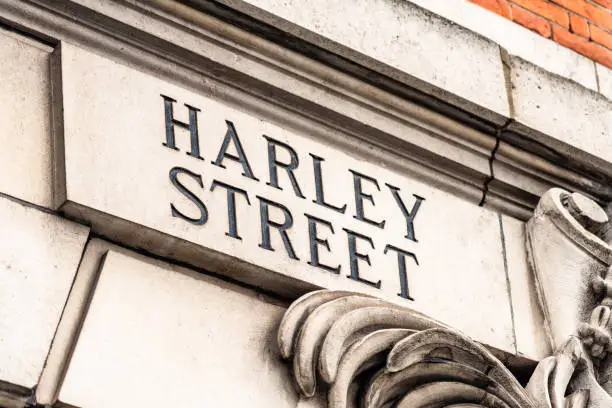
{"x":604,"y":77}
{"x":39,"y":255}
{"x":25,"y":119}
{"x":117,"y":173}
{"x":531,"y":339}
{"x":158,"y":335}
{"x":561,"y":114}
{"x":517,"y":40}
{"x":408,"y":38}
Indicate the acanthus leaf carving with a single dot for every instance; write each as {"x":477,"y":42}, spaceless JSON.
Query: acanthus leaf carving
{"x":408,"y":359}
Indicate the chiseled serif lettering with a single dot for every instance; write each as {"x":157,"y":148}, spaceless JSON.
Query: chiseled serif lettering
{"x":316,"y":241}
{"x":320,"y":193}
{"x":192,"y":127}
{"x":401,"y":266}
{"x":281,"y":227}
{"x":174,"y":173}
{"x":231,"y":136}
{"x":409,"y":215}
{"x":231,"y":206}
{"x":355,"y":256}
{"x":274,"y":164}
{"x":360,"y":195}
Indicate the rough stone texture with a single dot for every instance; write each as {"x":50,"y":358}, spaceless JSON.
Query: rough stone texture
{"x":531,"y":340}
{"x":39,"y":255}
{"x":604,"y":76}
{"x":552,"y":110}
{"x":157,"y":335}
{"x":116,"y":165}
{"x":509,"y":35}
{"x":412,"y":40}
{"x":25,"y":119}
{"x":516,"y":40}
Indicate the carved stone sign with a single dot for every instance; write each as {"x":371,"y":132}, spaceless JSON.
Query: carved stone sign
{"x":223,"y":182}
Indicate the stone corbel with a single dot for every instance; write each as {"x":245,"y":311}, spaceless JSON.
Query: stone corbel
{"x":570,"y":259}
{"x":370,"y":353}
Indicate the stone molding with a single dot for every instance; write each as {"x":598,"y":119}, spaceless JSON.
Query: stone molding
{"x":532,"y":123}
{"x":323,"y":94}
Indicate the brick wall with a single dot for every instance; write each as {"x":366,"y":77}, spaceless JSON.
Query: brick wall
{"x":585,"y":26}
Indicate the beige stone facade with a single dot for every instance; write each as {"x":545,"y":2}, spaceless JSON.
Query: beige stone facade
{"x":269,"y":203}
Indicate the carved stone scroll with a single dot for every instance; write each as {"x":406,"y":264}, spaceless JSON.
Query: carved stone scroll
{"x":570,"y":262}
{"x":372,"y":353}
{"x":572,"y":265}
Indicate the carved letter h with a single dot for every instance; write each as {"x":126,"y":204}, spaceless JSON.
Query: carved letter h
{"x":192,"y":127}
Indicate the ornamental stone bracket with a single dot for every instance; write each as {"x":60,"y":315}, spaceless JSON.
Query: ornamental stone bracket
{"x":366,"y":352}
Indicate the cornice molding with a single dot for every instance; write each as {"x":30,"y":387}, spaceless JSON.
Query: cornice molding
{"x":539,"y":160}
{"x":311,"y":93}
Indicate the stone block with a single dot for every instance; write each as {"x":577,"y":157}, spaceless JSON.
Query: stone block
{"x":123,"y":177}
{"x":531,"y":339}
{"x":517,"y":40}
{"x":39,"y":256}
{"x":405,"y":37}
{"x":604,"y":76}
{"x":177,"y":338}
{"x":25,"y":119}
{"x":561,"y":115}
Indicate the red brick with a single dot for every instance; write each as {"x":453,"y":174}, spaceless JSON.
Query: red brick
{"x":579,"y":25}
{"x":601,"y":36}
{"x":500,"y":7}
{"x":546,"y":10}
{"x":581,"y":45}
{"x":531,"y":21}
{"x":606,"y":3}
{"x":599,"y":15}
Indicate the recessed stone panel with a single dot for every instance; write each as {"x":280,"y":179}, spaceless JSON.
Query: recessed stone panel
{"x":25,"y":119}
{"x":39,"y":256}
{"x":157,"y":335}
{"x":270,"y":205}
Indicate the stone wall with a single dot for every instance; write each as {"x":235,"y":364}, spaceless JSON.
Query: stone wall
{"x":174,"y":175}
